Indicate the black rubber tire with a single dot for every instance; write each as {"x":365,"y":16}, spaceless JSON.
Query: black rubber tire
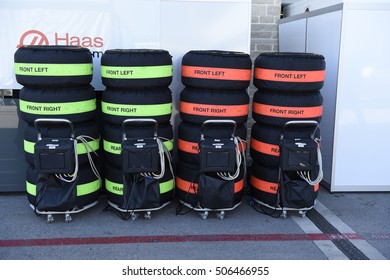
{"x":89,"y":129}
{"x":276,"y":108}
{"x":120,"y":104}
{"x":41,"y":102}
{"x":197,"y":106}
{"x":284,"y":71}
{"x":112,"y":139}
{"x":189,"y":135}
{"x":215,"y":69}
{"x":186,"y":174}
{"x":136,"y":68}
{"x":114,"y":185}
{"x":88,"y":186}
{"x":264,"y":144}
{"x":265,"y":140}
{"x":264,"y":183}
{"x":53,"y":66}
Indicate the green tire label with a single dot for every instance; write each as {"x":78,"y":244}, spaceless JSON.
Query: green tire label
{"x":136,"y":72}
{"x":117,"y":188}
{"x":81,"y":149}
{"x":67,"y":108}
{"x":54,"y":70}
{"x":130,"y":110}
{"x":116,"y":148}
{"x":82,"y":189}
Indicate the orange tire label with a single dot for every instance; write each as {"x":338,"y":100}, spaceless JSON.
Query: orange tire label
{"x":269,"y":187}
{"x":265,"y":148}
{"x":287,"y":112}
{"x":193,"y":147}
{"x":264,"y":186}
{"x":192,"y":188}
{"x":188,"y":147}
{"x":216,"y":73}
{"x":289,"y":75}
{"x":214,"y":110}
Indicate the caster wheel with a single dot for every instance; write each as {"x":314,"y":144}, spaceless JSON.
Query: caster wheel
{"x":50,"y":219}
{"x":204,"y":215}
{"x":148,"y":215}
{"x":68,"y":218}
{"x":302,"y":214}
{"x":133,"y":216}
{"x":284,"y":215}
{"x":221,"y":215}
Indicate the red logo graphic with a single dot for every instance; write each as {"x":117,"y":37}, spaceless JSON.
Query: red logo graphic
{"x":33,"y":38}
{"x":37,"y":38}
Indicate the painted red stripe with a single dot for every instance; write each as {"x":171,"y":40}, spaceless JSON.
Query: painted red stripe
{"x":175,"y":239}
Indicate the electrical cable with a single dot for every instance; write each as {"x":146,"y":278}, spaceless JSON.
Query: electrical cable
{"x":305,"y":175}
{"x":73,"y":176}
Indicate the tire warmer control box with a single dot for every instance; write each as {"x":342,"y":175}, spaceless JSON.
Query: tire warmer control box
{"x":55,"y":155}
{"x":298,"y":154}
{"x":140,"y":155}
{"x":217,"y":155}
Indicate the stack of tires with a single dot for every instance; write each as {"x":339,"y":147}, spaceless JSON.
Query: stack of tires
{"x":56,"y":82}
{"x":137,"y":87}
{"x":216,"y":85}
{"x":288,"y":90}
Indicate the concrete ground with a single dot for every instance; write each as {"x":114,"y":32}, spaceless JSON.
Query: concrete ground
{"x":341,"y":226}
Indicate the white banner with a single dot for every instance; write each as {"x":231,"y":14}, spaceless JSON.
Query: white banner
{"x":96,"y":25}
{"x":108,"y":24}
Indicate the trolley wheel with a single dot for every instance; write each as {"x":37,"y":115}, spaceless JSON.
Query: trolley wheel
{"x":221,"y":215}
{"x":284,"y":214}
{"x":204,"y":215}
{"x":50,"y":218}
{"x":302,"y":213}
{"x":148,"y":215}
{"x":68,"y":218}
{"x":134,"y":216}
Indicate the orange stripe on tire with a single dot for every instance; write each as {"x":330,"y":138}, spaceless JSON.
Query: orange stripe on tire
{"x":265,"y":148}
{"x":264,"y":186}
{"x":269,"y":187}
{"x":193,"y":147}
{"x":289,"y":75}
{"x":202,"y":72}
{"x":287,"y":112}
{"x":214,"y":110}
{"x":192,"y":188}
{"x":189,"y":147}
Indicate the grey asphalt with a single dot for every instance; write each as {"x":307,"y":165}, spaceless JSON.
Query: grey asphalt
{"x":243,"y":234}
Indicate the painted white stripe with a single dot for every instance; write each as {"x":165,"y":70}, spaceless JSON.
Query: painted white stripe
{"x":327,"y":247}
{"x":365,"y":247}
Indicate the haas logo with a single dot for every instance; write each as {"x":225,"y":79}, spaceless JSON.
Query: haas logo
{"x":33,"y":38}
{"x":38,"y":38}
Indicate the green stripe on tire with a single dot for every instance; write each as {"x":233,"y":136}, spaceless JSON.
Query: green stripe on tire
{"x":81,"y":150}
{"x":117,"y":188}
{"x":67,"y":108}
{"x":136,"y":72}
{"x":116,"y":148}
{"x":56,"y":70}
{"x":82,"y":189}
{"x":130,"y":110}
